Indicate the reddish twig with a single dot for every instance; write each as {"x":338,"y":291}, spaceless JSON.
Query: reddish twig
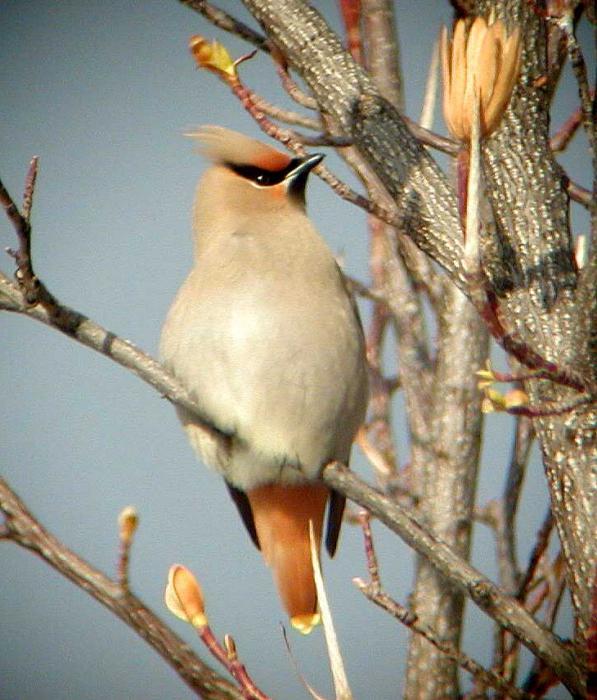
{"x":24,"y":274}
{"x":486,"y":303}
{"x":564,"y":134}
{"x":504,"y":609}
{"x":128,"y":522}
{"x":541,"y":542}
{"x":543,"y":411}
{"x":578,"y":193}
{"x":296,"y":142}
{"x":227,"y":655}
{"x":351,"y":14}
{"x":541,"y":678}
{"x":523,"y":440}
{"x":380,"y":400}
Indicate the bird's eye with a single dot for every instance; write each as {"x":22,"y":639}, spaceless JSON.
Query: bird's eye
{"x":260,"y":179}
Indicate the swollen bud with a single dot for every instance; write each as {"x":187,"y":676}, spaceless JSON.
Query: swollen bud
{"x":184,"y":597}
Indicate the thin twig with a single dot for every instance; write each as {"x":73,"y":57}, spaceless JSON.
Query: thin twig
{"x":124,"y":554}
{"x":374,"y":592}
{"x":294,"y":90}
{"x":505,"y":521}
{"x":384,"y":468}
{"x":286,"y":115}
{"x":579,"y":68}
{"x":227,"y":655}
{"x":521,"y":450}
{"x":362,"y":290}
{"x":486,"y":595}
{"x":128,"y":521}
{"x":541,"y":542}
{"x":34,"y":292}
{"x":30,"y":181}
{"x":540,"y":678}
{"x":312,"y":692}
{"x":228,"y":23}
{"x":579,"y":194}
{"x":430,"y":138}
{"x":379,"y":437}
{"x":566,"y":131}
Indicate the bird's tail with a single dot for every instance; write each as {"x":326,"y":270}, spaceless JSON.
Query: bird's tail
{"x":282,"y":515}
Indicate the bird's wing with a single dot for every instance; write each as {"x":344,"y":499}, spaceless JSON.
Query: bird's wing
{"x":244,"y":508}
{"x":336,"y":505}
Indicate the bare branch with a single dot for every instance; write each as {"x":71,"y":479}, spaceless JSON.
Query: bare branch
{"x":374,"y":592}
{"x":566,"y":131}
{"x":26,"y":531}
{"x":77,"y":326}
{"x":523,"y":440}
{"x":293,"y":89}
{"x":286,"y":115}
{"x":487,"y":596}
{"x":579,"y":194}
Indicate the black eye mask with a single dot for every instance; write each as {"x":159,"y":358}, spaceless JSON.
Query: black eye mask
{"x":262,"y":177}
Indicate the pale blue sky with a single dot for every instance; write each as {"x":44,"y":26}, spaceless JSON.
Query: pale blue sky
{"x":102,"y":92}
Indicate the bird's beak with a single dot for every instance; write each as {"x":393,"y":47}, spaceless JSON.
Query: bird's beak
{"x":296,"y":179}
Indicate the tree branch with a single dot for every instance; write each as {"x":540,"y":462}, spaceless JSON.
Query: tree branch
{"x":23,"y":529}
{"x":374,"y":592}
{"x":486,"y":595}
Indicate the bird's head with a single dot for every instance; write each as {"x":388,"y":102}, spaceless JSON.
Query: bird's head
{"x":248,"y":176}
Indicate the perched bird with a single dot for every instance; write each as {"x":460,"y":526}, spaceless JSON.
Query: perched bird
{"x":266,"y":338}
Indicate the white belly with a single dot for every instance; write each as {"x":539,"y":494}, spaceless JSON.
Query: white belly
{"x":285,"y":377}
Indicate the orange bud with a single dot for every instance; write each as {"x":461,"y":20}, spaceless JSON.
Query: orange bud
{"x":213,"y":56}
{"x":482,"y":61}
{"x":128,"y":520}
{"x":184,"y":597}
{"x":515,"y":398}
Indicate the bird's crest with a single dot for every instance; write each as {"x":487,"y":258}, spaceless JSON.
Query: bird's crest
{"x":222,"y":145}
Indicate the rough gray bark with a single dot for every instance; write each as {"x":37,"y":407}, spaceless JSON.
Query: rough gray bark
{"x":543,"y":297}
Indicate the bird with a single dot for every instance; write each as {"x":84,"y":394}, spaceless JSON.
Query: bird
{"x":266,"y":338}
